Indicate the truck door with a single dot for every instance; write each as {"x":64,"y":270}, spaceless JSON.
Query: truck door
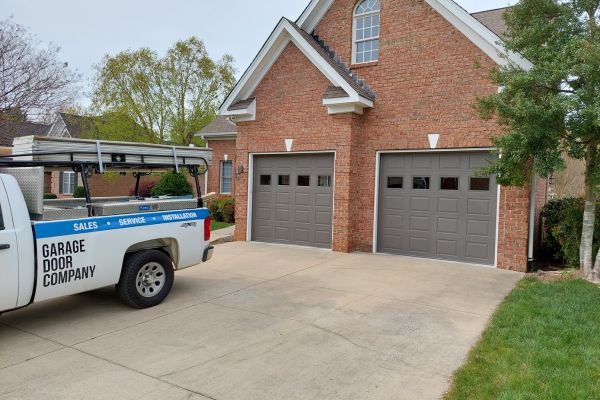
{"x":9,"y":262}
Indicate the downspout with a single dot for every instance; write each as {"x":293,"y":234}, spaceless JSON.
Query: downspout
{"x":206,"y":173}
{"x":532,"y":201}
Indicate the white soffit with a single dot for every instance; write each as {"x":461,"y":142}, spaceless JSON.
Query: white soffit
{"x":313,"y":14}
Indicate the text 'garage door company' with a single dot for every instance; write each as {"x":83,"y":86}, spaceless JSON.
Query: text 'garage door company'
{"x":293,"y":199}
{"x":436,"y":206}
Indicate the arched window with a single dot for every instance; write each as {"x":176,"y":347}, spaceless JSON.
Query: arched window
{"x":366,"y":32}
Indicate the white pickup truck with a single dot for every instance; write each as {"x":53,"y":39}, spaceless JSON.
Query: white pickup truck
{"x":137,"y":251}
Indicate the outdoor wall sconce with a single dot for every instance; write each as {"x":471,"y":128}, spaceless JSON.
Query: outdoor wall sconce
{"x":240,"y":170}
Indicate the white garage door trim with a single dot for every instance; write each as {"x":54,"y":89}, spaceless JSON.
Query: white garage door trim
{"x":379,"y":153}
{"x":249,"y":213}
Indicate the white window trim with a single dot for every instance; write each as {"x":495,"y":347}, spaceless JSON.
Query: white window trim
{"x":221,"y":177}
{"x":64,"y":175}
{"x":355,"y":41}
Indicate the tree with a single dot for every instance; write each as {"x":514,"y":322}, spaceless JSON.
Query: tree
{"x":552,"y":110}
{"x":171,"y":97}
{"x":33,"y":82}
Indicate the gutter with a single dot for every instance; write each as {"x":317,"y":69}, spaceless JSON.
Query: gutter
{"x":532,"y":200}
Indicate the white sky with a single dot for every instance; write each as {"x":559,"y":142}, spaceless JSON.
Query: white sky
{"x":86,"y":30}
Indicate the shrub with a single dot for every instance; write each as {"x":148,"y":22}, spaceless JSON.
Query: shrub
{"x":564,"y":220}
{"x":145,"y":188}
{"x":50,"y":196}
{"x":223,"y":209}
{"x":553,"y":214}
{"x":79,"y":193}
{"x":172,"y":184}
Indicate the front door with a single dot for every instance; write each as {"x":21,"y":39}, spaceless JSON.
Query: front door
{"x":9,"y":263}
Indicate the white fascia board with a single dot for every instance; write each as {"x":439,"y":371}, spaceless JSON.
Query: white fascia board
{"x":479,"y":34}
{"x":313,"y":14}
{"x":281,"y":36}
{"x":346,"y":100}
{"x":344,"y":108}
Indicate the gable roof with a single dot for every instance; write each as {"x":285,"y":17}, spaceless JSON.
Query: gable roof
{"x":322,"y":58}
{"x":494,"y":20}
{"x":76,"y":124}
{"x":220,"y":126}
{"x":10,"y":130}
{"x":488,"y":40}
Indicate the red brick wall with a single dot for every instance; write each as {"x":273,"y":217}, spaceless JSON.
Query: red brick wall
{"x":220,"y":148}
{"x":427,"y":80}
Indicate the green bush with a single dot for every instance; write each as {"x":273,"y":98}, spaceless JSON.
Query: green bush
{"x":552,"y":214}
{"x":223,"y":210}
{"x":563,"y":224}
{"x":79,"y":193}
{"x":172,"y":184}
{"x":50,"y":196}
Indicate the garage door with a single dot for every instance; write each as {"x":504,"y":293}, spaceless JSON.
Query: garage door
{"x":293,"y":199}
{"x":435,"y":206}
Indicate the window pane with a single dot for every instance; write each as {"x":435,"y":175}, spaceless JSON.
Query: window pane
{"x":284,"y":180}
{"x":450,"y":183}
{"x":421,"y":182}
{"x":480,"y":184}
{"x":324,"y":181}
{"x":265,"y":180}
{"x":395,"y":182}
{"x":226,"y":171}
{"x":303,"y":180}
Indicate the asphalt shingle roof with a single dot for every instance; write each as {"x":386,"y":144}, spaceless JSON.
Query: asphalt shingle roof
{"x":493,"y":20}
{"x":220,"y":124}
{"x":12,"y":129}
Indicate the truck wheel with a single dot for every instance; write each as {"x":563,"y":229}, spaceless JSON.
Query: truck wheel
{"x":146,"y":279}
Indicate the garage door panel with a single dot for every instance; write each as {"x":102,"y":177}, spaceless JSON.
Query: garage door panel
{"x":478,"y":228}
{"x":302,"y":211}
{"x":420,"y":223}
{"x":479,"y":207}
{"x":447,"y":221}
{"x":447,"y":247}
{"x":447,"y":205}
{"x":420,"y":203}
{"x":302,"y":199}
{"x":447,"y":225}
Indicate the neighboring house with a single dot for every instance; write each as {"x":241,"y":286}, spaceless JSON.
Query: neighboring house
{"x":9,"y":130}
{"x":220,"y":136}
{"x":356,"y":131}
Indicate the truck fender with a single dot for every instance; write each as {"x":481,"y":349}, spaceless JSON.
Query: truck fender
{"x":169,"y":246}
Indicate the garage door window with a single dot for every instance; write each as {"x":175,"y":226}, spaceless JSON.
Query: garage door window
{"x":284,"y":180}
{"x":324,"y":181}
{"x":421,"y":182}
{"x":395,"y":182}
{"x":449,"y":183}
{"x":480,"y":184}
{"x":265,"y":180}
{"x":304,"y":180}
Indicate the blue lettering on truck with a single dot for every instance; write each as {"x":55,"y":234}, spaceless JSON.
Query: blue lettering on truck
{"x":65,"y":228}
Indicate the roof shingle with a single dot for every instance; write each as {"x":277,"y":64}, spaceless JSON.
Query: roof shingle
{"x":10,"y":129}
{"x":494,"y":20}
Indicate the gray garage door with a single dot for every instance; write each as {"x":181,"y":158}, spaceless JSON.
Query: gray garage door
{"x":293,"y":199}
{"x":435,"y":206}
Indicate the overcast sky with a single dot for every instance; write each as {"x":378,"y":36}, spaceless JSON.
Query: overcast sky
{"x":87,"y":30}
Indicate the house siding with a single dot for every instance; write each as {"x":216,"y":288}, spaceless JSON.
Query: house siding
{"x":427,"y":80}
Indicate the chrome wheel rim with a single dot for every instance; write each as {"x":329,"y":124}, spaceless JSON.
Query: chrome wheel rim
{"x":150,"y":279}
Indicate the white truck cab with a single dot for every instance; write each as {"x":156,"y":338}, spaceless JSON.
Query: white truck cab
{"x":64,"y":247}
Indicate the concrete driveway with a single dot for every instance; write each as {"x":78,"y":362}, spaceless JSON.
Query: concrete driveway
{"x":260,"y":322}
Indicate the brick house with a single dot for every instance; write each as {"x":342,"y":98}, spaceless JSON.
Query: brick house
{"x":356,"y":131}
{"x":220,"y":135}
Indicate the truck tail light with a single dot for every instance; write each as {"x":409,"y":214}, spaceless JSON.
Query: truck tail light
{"x":207,"y":229}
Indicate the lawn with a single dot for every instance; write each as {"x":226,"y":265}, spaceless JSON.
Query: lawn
{"x":542,"y":343}
{"x":216,"y":225}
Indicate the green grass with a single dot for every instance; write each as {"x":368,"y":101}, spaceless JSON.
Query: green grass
{"x":216,"y":225}
{"x":542,"y":343}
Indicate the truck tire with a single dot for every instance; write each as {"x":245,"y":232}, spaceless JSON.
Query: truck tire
{"x":146,"y":279}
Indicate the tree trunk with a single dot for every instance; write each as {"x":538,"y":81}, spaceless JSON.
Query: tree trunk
{"x":587,"y":234}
